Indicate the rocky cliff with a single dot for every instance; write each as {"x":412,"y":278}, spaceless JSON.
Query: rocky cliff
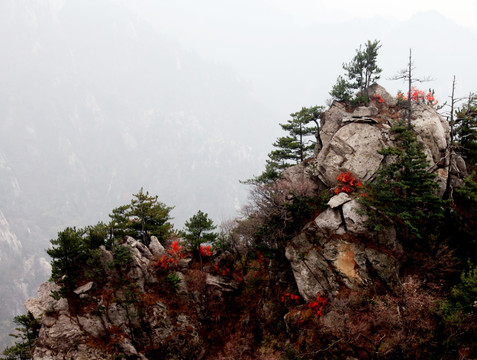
{"x":336,"y":248}
{"x":237,"y":307}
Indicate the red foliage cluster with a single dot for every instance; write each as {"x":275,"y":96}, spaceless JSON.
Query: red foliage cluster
{"x":378,"y":98}
{"x":205,"y":250}
{"x":318,"y":304}
{"x":258,"y":269}
{"x":431,"y":100}
{"x":401,"y":97}
{"x":175,"y":249}
{"x":292,"y":297}
{"x":260,"y":258}
{"x":348,"y":184}
{"x":171,"y":258}
{"x":224,"y":272}
{"x":419,"y":96}
{"x":164,"y":262}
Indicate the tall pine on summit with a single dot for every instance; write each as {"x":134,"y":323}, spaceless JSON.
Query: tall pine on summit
{"x":362,"y":72}
{"x":144,"y":217}
{"x":149,"y":217}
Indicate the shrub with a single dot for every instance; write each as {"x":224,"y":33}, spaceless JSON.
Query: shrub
{"x":462,"y":301}
{"x":171,"y":258}
{"x":348,"y":183}
{"x":173,"y":279}
{"x":418,"y":97}
{"x":121,"y":256}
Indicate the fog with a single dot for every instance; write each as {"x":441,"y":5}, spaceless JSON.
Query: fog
{"x":99,"y":98}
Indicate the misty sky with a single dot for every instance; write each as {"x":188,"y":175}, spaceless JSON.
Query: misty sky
{"x":306,"y":11}
{"x":256,"y":39}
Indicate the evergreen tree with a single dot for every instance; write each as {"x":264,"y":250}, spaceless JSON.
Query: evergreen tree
{"x":294,"y":147}
{"x":148,"y":217}
{"x":462,"y":220}
{"x":362,"y":72}
{"x":27,"y":333}
{"x":199,"y":229}
{"x":404,"y":191}
{"x":119,"y":224}
{"x":341,"y":91}
{"x":460,"y":304}
{"x":67,"y":253}
{"x":95,"y":236}
{"x":144,"y":217}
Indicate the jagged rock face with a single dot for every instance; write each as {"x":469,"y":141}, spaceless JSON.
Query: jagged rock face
{"x":354,"y":147}
{"x":378,"y":90}
{"x":337,"y":250}
{"x":68,"y":332}
{"x":9,"y":244}
{"x":433,"y":132}
{"x":351,"y":138}
{"x":21,"y":271}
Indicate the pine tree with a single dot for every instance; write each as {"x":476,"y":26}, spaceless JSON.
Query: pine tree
{"x":404,"y":191}
{"x":199,"y":229}
{"x":67,"y":253}
{"x":119,"y":223}
{"x":148,"y":217}
{"x":294,"y":147}
{"x":144,"y":217}
{"x":462,"y":223}
{"x":362,"y":72}
{"x":95,"y":236}
{"x":342,"y":90}
{"x":27,"y":333}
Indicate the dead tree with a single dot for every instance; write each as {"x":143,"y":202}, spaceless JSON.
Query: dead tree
{"x":407,"y":74}
{"x":451,"y":145}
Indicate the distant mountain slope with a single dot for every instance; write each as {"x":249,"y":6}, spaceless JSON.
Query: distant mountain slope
{"x":94,"y":104}
{"x":293,"y":66}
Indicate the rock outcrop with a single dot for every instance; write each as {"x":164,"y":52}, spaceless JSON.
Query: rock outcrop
{"x":352,"y":137}
{"x":116,"y":321}
{"x":337,"y":250}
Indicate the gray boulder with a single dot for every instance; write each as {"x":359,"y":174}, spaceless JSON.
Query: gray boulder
{"x":354,"y":147}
